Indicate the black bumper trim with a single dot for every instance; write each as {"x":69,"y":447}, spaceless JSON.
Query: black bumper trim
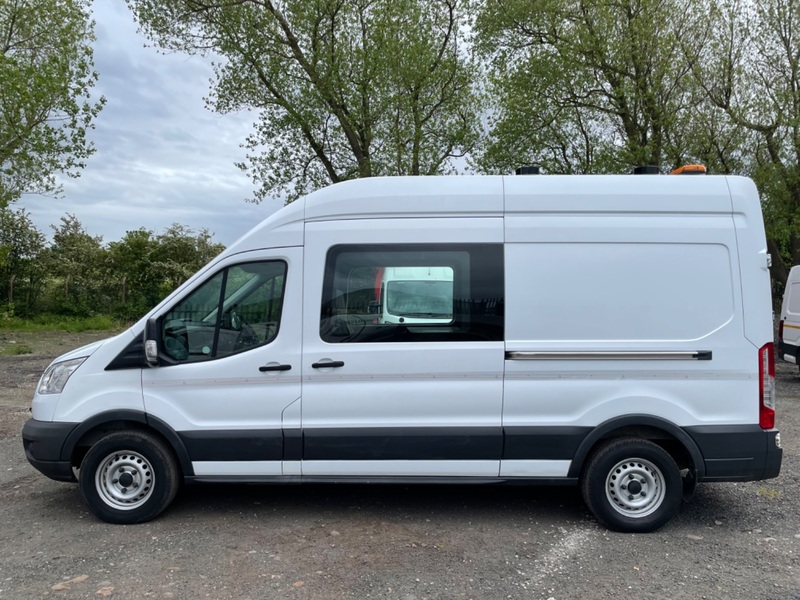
{"x":43,"y":442}
{"x":57,"y":470}
{"x":738,"y":452}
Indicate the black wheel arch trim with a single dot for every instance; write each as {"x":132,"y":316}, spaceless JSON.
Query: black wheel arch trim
{"x":611,"y":425}
{"x":136,"y":416}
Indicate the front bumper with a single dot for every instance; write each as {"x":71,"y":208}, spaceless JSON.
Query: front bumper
{"x":44,"y":448}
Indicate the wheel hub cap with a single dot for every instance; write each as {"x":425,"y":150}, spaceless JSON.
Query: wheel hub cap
{"x":125,"y":480}
{"x":635,"y":487}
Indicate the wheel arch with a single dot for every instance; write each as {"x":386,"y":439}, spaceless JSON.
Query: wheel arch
{"x":89,"y":431}
{"x":671,"y":437}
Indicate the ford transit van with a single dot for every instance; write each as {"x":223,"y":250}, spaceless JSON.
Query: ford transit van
{"x":610,"y":332}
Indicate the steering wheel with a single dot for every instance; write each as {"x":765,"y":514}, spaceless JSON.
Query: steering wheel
{"x":347,"y":325}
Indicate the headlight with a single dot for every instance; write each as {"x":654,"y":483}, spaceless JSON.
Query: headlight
{"x":57,"y":375}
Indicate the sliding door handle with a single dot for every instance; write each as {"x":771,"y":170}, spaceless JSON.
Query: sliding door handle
{"x":327,"y":363}
{"x":275,"y":367}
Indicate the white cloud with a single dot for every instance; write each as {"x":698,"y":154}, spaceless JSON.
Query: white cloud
{"x":161,"y":157}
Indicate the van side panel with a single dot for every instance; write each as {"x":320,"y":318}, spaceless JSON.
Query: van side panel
{"x":634,"y":308}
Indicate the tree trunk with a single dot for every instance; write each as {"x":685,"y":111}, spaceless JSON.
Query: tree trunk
{"x":11,"y":289}
{"x":779,"y":272}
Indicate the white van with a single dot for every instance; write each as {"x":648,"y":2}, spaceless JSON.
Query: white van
{"x":413,"y":295}
{"x":608,"y":331}
{"x":789,"y":325}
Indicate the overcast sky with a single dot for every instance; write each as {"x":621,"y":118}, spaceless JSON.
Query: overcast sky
{"x":161,"y":157}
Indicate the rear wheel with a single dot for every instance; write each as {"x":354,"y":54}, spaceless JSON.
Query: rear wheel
{"x":632,"y":485}
{"x":129,"y":477}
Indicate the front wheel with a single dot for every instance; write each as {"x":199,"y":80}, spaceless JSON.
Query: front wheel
{"x":129,"y":477}
{"x":632,"y":485}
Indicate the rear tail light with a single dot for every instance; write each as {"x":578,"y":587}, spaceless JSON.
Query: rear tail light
{"x":766,"y":386}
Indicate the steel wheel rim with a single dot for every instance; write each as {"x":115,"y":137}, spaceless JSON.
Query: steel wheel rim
{"x":124,"y":480}
{"x":635,"y":487}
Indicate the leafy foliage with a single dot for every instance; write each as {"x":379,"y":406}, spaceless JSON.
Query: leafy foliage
{"x":590,"y":85}
{"x":46,"y":108}
{"x":21,"y":270}
{"x":752,"y":72}
{"x":343,"y":88}
{"x":76,"y":276}
{"x":74,"y":259}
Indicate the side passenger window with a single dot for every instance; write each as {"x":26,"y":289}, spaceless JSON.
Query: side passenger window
{"x":239,"y":308}
{"x":397,"y":293}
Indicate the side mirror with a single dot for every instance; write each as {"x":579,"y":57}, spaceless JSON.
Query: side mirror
{"x":151,"y":335}
{"x":374,"y":308}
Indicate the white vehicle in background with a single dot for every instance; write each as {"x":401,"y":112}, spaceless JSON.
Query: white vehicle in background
{"x":789,"y":326}
{"x":414,"y":295}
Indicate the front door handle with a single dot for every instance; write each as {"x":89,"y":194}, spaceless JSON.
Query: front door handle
{"x":327,"y":363}
{"x":275,"y":367}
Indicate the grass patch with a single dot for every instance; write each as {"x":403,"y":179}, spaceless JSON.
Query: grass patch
{"x":768,"y":493}
{"x":17,"y":349}
{"x":61,"y":323}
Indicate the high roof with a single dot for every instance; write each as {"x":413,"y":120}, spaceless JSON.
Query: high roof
{"x":484,"y":196}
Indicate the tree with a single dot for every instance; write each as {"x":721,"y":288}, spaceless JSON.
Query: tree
{"x":134,"y":280}
{"x":21,"y":244}
{"x":45,"y":105}
{"x":344,"y":88}
{"x":75,"y":260}
{"x":593,"y":85}
{"x":751,"y":71}
{"x":181,"y":251}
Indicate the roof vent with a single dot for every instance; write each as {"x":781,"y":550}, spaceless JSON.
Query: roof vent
{"x":646,"y":170}
{"x":528,"y":170}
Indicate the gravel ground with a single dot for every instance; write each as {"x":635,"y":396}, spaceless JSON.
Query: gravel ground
{"x":734,"y":541}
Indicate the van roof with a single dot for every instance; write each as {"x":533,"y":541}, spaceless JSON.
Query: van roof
{"x":487,"y":196}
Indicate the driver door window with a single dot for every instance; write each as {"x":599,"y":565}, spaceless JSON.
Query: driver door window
{"x":238,"y":309}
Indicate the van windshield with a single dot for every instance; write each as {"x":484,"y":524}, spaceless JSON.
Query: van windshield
{"x":432,"y":299}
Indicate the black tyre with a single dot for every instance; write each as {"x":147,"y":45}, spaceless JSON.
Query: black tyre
{"x":129,"y":477}
{"x":632,"y":485}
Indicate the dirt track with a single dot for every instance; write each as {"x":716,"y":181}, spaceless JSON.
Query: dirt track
{"x":735,"y":541}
